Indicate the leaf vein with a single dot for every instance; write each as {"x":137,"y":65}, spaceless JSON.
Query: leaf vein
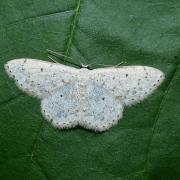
{"x":72,"y":29}
{"x":41,"y":169}
{"x":159,"y":111}
{"x":10,"y":100}
{"x":39,"y":16}
{"x":34,"y":146}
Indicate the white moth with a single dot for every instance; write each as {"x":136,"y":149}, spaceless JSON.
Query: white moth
{"x":93,"y":99}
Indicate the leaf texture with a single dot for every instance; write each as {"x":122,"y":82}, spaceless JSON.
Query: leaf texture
{"x":145,"y":143}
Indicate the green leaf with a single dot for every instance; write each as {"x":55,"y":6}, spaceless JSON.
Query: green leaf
{"x":146,"y":142}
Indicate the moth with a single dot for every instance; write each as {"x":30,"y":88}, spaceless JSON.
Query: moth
{"x":93,"y":99}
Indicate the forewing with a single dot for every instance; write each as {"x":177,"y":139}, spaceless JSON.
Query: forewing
{"x":130,"y":84}
{"x":39,"y":78}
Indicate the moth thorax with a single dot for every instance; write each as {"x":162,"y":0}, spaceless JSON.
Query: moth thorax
{"x":85,"y":68}
{"x":82,"y":82}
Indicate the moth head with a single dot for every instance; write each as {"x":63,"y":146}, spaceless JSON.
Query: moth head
{"x":86,"y":66}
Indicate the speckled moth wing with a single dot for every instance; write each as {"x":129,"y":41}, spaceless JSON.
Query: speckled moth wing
{"x":92,"y":99}
{"x":130,"y":84}
{"x":38,"y":78}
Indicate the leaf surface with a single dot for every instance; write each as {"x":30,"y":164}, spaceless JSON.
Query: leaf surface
{"x":145,"y":143}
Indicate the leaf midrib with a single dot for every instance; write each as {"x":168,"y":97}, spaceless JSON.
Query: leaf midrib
{"x":67,"y":50}
{"x":72,"y":29}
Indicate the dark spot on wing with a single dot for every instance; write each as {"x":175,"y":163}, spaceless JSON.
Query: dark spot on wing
{"x":134,"y":92}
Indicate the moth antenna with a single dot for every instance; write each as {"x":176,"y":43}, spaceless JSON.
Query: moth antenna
{"x":53,"y":53}
{"x":57,"y":53}
{"x":119,"y":64}
{"x":105,"y":65}
{"x":51,"y":58}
